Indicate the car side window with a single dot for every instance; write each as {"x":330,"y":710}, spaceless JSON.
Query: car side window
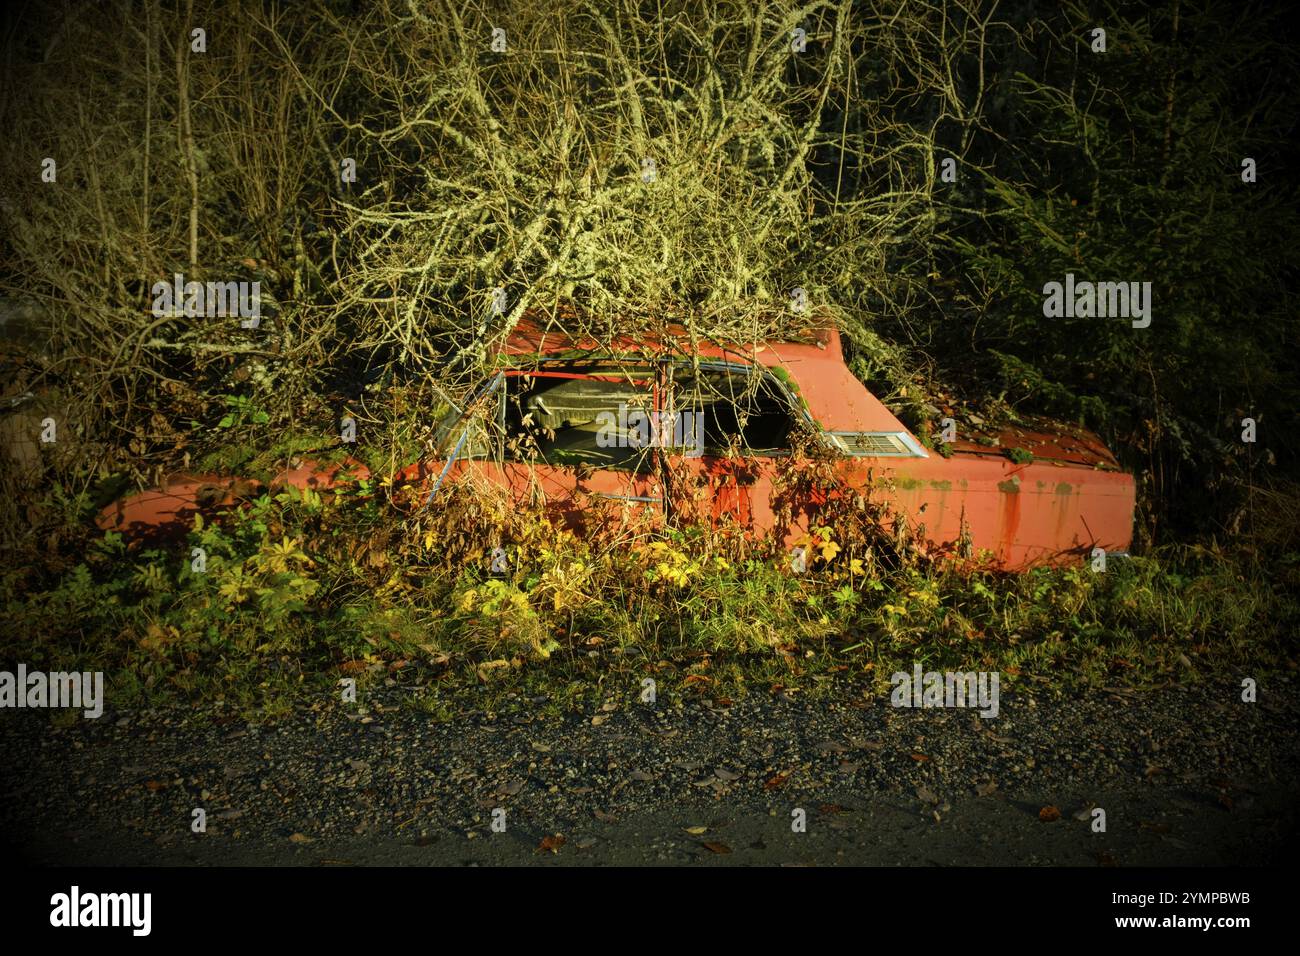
{"x":568,"y":418}
{"x":739,"y":409}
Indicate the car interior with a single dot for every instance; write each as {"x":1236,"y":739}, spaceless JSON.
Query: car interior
{"x":595,"y":421}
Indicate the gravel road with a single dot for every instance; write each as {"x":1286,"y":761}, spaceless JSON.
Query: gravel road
{"x":1185,"y":776}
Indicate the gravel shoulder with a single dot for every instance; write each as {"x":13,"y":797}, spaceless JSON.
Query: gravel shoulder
{"x":1185,"y":776}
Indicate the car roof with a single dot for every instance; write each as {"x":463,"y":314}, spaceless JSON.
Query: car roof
{"x":813,"y":364}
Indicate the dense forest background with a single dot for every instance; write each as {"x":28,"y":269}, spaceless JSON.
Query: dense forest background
{"x":776,"y":169}
{"x":920,"y":169}
{"x":406,"y":180}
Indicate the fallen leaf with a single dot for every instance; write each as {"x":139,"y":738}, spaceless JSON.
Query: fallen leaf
{"x":777,"y":781}
{"x":1049,"y":814}
{"x":299,"y":838}
{"x":920,"y":758}
{"x":717,"y":847}
{"x":696,"y":831}
{"x":552,"y":843}
{"x":981,"y":726}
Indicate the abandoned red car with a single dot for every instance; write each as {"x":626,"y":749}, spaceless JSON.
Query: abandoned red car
{"x":578,"y":422}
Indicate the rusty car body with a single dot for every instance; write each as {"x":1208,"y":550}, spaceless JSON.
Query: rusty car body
{"x":591,"y":426}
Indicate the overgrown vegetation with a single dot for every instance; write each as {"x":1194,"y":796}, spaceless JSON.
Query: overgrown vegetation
{"x":620,"y":166}
{"x":304,"y":589}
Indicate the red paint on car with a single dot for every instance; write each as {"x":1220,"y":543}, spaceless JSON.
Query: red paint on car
{"x":1051,"y":508}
